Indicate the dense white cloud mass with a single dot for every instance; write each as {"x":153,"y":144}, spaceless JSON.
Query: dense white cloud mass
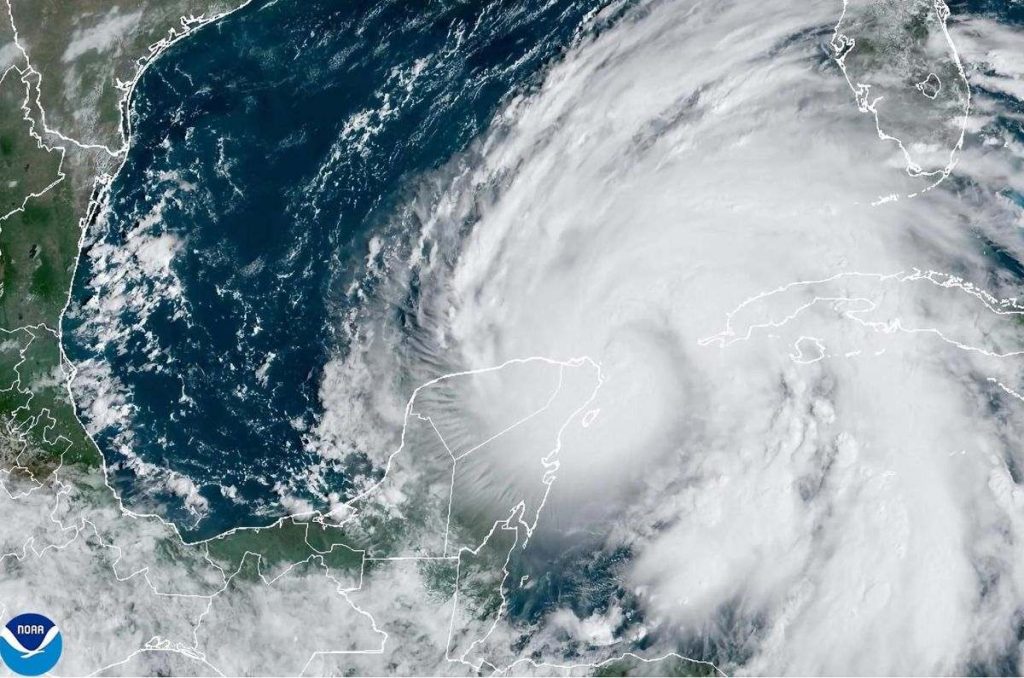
{"x":710,"y":336}
{"x":807,"y":434}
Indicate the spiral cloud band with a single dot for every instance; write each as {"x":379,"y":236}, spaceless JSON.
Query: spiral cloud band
{"x":785,"y":256}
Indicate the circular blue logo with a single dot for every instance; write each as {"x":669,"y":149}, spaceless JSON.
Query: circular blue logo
{"x":30,"y":644}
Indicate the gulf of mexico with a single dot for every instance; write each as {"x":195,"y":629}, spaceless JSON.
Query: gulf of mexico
{"x":265,"y":149}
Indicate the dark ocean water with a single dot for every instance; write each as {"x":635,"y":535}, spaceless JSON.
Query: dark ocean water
{"x":267,"y":148}
{"x":1004,"y":11}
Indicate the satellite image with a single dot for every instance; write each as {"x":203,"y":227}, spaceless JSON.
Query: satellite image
{"x":511,"y":337}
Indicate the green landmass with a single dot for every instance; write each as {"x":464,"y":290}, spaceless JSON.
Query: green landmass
{"x":84,"y":48}
{"x":77,"y":53}
{"x":44,"y":192}
{"x":289,"y":541}
{"x":38,"y":247}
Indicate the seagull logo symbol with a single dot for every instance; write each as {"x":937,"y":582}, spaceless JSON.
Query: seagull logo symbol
{"x":30,"y":644}
{"x":13,"y":641}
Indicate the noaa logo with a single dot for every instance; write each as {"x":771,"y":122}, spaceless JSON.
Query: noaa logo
{"x":30,"y":644}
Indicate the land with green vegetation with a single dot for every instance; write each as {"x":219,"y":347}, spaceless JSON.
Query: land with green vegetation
{"x":39,"y":237}
{"x":61,"y":97}
{"x":896,"y":56}
{"x":87,"y":50}
{"x":289,"y":541}
{"x":61,"y":139}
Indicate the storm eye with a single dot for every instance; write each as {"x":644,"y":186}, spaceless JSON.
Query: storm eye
{"x":574,"y":337}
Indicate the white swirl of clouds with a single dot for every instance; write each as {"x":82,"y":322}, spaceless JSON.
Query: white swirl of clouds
{"x":807,"y":431}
